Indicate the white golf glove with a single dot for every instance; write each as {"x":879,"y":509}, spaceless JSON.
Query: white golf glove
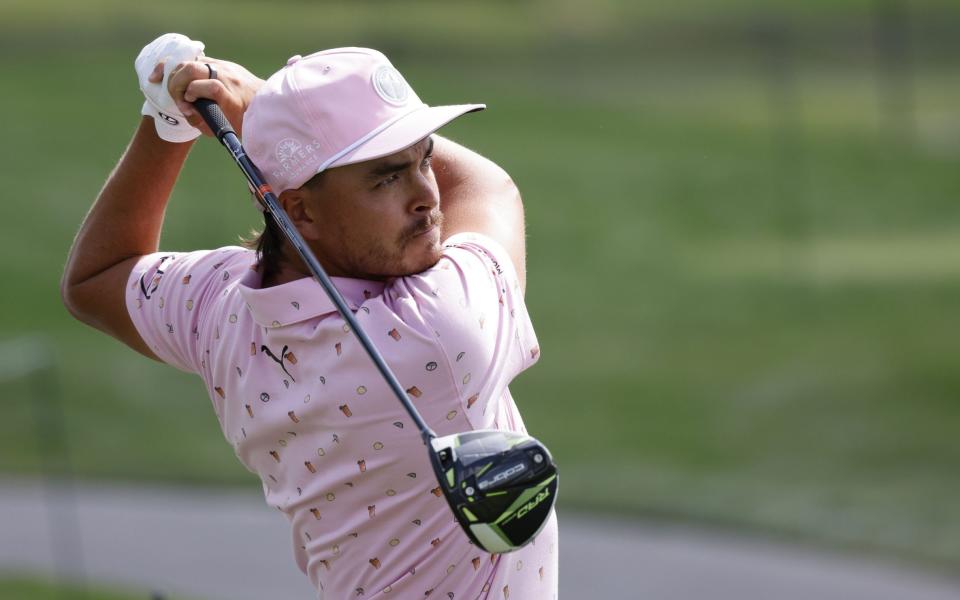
{"x":171,"y":49}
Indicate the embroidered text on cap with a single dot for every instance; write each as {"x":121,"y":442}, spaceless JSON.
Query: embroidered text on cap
{"x":293,"y":156}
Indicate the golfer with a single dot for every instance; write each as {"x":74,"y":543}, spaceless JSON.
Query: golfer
{"x":424,"y":239}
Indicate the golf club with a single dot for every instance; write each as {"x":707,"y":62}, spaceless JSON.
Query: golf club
{"x":500,"y":485}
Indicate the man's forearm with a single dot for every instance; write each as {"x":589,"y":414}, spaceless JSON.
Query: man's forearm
{"x":477,"y":195}
{"x":463,"y":175}
{"x":127,"y":216}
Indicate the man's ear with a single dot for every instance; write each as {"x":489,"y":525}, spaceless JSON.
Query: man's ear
{"x":294,"y":202}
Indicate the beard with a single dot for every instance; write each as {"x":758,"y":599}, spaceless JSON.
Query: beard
{"x":405,"y":256}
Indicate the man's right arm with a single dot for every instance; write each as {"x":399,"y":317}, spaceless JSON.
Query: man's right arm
{"x":478,"y":196}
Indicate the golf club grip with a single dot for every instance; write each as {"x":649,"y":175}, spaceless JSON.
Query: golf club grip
{"x":214,"y":117}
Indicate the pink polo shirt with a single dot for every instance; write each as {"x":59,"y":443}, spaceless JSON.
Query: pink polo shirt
{"x":305,"y":409}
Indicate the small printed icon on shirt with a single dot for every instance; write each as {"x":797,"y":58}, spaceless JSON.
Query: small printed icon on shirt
{"x":316,"y":513}
{"x":346,"y":410}
{"x":339,"y":348}
{"x":394,"y":334}
{"x":372,"y":511}
{"x":363,"y":465}
{"x":414,"y":391}
{"x":375,"y":562}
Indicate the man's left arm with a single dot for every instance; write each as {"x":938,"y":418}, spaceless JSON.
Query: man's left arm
{"x":123,"y":225}
{"x":126,"y":219}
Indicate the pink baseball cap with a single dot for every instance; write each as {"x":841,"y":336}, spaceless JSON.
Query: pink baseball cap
{"x":335,"y":108}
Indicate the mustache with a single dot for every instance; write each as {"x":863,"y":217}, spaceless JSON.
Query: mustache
{"x":434,"y":219}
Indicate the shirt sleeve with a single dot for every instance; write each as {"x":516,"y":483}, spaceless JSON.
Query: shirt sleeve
{"x":472,"y":305}
{"x":169,"y":293}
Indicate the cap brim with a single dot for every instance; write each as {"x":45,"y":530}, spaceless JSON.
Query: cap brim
{"x":405,"y":132}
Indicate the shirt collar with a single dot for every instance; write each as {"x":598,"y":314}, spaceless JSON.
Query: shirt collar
{"x":301,"y":299}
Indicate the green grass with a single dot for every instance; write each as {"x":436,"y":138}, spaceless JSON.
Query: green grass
{"x":746,"y":318}
{"x":23,"y":588}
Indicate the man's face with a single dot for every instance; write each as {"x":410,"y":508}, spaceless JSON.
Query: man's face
{"x":377,"y":219}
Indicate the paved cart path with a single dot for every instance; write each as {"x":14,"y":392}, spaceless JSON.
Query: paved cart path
{"x":212,"y":545}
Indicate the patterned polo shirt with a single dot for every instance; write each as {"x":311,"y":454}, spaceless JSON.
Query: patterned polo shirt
{"x":306,"y":410}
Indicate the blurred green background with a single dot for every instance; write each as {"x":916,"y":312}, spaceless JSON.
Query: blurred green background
{"x":743,"y":235}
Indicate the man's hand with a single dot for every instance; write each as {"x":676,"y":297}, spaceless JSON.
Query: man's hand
{"x":162,"y":54}
{"x":233,"y":89}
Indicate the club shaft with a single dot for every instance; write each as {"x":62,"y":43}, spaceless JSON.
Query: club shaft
{"x":269,"y":200}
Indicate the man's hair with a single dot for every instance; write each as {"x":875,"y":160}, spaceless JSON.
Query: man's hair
{"x":268,"y":242}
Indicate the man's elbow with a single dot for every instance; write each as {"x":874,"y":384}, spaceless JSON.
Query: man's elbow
{"x":73,"y":299}
{"x":83,"y":300}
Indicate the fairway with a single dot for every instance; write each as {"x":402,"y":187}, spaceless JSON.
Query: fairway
{"x":745,"y":287}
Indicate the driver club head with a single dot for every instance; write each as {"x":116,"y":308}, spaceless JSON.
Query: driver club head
{"x":501,"y":485}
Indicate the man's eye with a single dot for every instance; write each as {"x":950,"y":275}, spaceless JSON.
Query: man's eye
{"x":427,"y":162}
{"x":389,"y":180}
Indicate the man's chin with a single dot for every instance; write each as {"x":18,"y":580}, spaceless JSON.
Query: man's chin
{"x":421,"y":263}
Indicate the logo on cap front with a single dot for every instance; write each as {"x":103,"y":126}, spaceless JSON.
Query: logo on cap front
{"x":390,"y":85}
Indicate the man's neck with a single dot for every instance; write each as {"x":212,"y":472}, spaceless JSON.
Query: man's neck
{"x":285,"y":273}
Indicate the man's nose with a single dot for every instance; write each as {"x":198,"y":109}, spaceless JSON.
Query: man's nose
{"x":426,"y":196}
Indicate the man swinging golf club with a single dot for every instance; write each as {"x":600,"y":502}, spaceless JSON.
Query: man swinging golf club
{"x":424,"y":241}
